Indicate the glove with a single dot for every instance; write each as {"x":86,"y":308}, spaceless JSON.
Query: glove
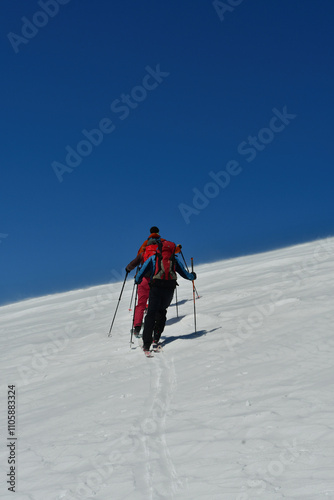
{"x":194,"y":275}
{"x":127,"y":270}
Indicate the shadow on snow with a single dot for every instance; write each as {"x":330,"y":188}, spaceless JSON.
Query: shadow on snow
{"x":176,"y":319}
{"x":179,"y":303}
{"x":189,"y":336}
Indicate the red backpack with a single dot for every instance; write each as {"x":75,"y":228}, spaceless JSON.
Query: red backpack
{"x":150,"y":249}
{"x":165,"y":261}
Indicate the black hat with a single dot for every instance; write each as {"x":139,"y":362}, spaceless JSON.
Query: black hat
{"x":154,"y":229}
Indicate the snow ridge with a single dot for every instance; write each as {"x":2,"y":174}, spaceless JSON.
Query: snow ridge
{"x":241,"y":409}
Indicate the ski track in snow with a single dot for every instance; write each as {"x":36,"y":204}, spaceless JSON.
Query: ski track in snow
{"x":240,"y":410}
{"x":160,"y":473}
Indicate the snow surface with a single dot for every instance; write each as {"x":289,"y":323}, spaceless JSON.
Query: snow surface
{"x":242,"y":409}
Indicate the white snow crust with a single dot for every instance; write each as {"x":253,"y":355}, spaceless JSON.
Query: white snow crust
{"x":241,"y":409}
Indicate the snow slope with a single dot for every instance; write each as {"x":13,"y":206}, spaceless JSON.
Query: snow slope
{"x":242,"y":409}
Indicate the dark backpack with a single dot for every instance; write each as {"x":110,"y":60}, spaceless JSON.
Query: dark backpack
{"x":165,"y":261}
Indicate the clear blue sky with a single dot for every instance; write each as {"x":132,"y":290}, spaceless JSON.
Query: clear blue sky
{"x":215,"y":124}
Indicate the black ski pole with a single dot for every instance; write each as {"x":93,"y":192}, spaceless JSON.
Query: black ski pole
{"x":192,"y":270}
{"x":133,"y":316}
{"x":184,"y":260}
{"x":118,"y":304}
{"x":177,"y":307}
{"x":133,"y":289}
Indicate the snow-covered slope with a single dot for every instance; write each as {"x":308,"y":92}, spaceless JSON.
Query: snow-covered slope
{"x":241,"y":409}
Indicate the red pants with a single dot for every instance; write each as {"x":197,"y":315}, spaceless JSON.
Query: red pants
{"x":143,"y":292}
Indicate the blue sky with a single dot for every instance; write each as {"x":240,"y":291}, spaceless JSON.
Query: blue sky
{"x":211,"y":120}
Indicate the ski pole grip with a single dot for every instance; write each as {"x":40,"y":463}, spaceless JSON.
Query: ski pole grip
{"x":192,"y":265}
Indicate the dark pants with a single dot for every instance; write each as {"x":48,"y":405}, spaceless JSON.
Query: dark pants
{"x":158,"y":302}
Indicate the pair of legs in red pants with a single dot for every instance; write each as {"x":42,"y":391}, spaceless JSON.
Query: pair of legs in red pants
{"x":143,"y":292}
